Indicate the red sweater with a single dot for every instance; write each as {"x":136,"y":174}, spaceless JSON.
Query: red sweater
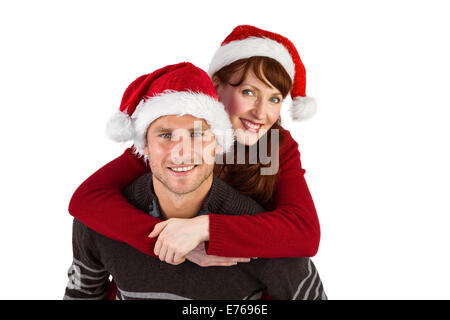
{"x":291,"y":230}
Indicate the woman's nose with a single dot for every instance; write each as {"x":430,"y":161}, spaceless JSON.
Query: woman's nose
{"x":259,"y":109}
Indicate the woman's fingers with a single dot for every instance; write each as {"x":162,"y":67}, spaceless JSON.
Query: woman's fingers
{"x":158,"y":228}
{"x":199,"y":257}
{"x":157,"y":247}
{"x":174,"y":253}
{"x":169,"y":256}
{"x":229,"y":260}
{"x":178,"y":258}
{"x":176,"y":238}
{"x":221,"y":264}
{"x":162,"y":253}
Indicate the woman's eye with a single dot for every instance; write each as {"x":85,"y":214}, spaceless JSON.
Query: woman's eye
{"x":247,"y":92}
{"x":275,"y":100}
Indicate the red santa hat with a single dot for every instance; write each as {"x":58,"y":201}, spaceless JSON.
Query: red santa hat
{"x":247,"y":41}
{"x":178,"y":89}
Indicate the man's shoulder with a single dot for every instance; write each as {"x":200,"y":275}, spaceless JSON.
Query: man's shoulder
{"x":142,"y":181}
{"x":137,"y":192}
{"x":224,"y":199}
{"x":91,"y":240}
{"x":82,"y":230}
{"x":82,"y":233}
{"x":79,"y":227}
{"x":227,"y":192}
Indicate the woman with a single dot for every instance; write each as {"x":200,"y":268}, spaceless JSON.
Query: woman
{"x":252,"y":91}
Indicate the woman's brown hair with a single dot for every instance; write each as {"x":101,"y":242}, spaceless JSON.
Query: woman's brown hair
{"x":247,"y":177}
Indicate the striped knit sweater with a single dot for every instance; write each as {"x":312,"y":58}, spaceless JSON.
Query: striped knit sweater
{"x":139,"y":276}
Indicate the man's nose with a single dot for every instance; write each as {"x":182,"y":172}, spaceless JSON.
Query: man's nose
{"x":183,"y":151}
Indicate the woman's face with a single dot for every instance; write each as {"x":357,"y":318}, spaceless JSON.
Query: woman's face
{"x":253,"y":106}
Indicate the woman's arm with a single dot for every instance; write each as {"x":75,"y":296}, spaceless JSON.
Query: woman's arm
{"x":99,"y":204}
{"x":291,"y":230}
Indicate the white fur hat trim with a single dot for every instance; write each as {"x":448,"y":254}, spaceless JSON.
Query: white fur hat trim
{"x":251,"y":47}
{"x":182,"y":103}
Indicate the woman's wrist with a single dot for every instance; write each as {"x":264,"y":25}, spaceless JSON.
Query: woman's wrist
{"x":203,"y":221}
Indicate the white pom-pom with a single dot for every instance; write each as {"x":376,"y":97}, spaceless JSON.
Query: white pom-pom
{"x":120,"y":127}
{"x":303,"y":108}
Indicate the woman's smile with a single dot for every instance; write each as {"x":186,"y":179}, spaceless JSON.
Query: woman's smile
{"x":251,"y":125}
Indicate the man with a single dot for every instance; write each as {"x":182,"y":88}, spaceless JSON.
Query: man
{"x":179,"y":131}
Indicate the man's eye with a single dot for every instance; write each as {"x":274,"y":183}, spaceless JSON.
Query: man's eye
{"x":166,"y":135}
{"x":248,"y":92}
{"x":197,"y":134}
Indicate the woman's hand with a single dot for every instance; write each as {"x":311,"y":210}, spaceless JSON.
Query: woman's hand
{"x":177,"y":237}
{"x":199,"y":257}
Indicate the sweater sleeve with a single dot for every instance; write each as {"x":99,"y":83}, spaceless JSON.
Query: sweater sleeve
{"x":99,"y":204}
{"x":291,"y":230}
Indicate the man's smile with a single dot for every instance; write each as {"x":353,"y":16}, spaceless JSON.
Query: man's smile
{"x":181,"y":170}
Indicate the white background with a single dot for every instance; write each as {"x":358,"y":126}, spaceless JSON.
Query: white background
{"x":376,"y":154}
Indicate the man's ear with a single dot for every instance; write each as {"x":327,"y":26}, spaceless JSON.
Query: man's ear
{"x":146,"y":150}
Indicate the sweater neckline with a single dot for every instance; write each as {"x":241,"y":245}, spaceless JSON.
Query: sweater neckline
{"x":146,"y":193}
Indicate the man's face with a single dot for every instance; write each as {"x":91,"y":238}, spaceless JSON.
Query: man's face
{"x":181,"y":152}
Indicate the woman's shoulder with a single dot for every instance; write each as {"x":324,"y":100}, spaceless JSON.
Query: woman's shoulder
{"x":289,"y":153}
{"x":287,"y":142}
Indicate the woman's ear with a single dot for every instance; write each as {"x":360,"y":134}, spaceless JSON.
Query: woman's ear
{"x":219,"y":149}
{"x":217,"y":85}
